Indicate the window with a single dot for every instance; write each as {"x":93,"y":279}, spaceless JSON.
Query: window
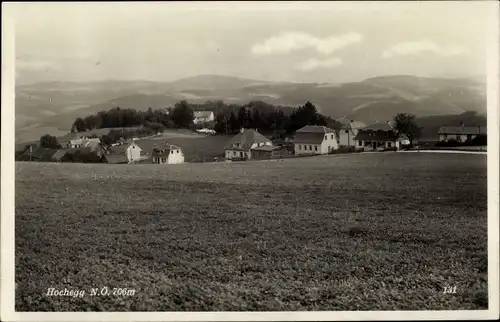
{"x":458,"y":137}
{"x":234,"y":153}
{"x":469,"y":137}
{"x":310,"y":147}
{"x":326,"y":137}
{"x":315,"y":148}
{"x":346,"y":131}
{"x":241,"y":154}
{"x":177,"y":151}
{"x":172,"y":152}
{"x":389,"y":144}
{"x":360,"y":143}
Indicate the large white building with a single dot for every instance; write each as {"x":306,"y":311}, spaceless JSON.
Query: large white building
{"x":315,"y":139}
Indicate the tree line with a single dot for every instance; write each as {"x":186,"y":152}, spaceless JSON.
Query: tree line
{"x":229,"y":118}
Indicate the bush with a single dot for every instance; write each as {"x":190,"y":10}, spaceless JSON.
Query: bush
{"x":449,"y":143}
{"x":477,"y":141}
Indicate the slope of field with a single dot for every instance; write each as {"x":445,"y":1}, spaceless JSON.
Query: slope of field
{"x":383,"y":231}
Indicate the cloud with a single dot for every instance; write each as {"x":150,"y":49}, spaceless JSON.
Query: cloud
{"x":314,"y":63}
{"x":291,"y":41}
{"x":417,"y":47}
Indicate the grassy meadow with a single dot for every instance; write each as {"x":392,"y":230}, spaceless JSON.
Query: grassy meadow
{"x":379,"y":231}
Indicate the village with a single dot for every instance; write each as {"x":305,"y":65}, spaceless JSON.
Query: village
{"x":249,"y":144}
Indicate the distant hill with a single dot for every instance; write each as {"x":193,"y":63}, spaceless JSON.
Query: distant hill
{"x":56,"y":104}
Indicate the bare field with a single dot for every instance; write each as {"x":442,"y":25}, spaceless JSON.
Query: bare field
{"x":381,"y":231}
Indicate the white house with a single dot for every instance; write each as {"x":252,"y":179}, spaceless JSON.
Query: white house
{"x":135,"y":152}
{"x":169,"y":154}
{"x":348,"y":132}
{"x":240,"y":145}
{"x":203,"y":117}
{"x":460,"y":133}
{"x":315,"y":139}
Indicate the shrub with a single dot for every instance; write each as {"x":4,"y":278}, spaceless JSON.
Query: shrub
{"x":478,"y":140}
{"x":449,"y":143}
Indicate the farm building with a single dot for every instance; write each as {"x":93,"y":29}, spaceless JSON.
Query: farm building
{"x":315,"y":139}
{"x":348,"y":132}
{"x":83,"y":143}
{"x":169,"y":154}
{"x":203,"y":117}
{"x":240,"y":146}
{"x":377,"y":136}
{"x":37,"y":153}
{"x":461,"y":133}
{"x":267,"y":152}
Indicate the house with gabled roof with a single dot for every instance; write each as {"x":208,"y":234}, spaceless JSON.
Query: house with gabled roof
{"x":239,"y":147}
{"x":461,"y":133}
{"x":37,"y":153}
{"x":168,"y":154}
{"x":315,"y":139}
{"x":348,"y":132}
{"x":378,"y":136}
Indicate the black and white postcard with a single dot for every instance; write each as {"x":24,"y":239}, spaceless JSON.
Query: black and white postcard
{"x":250,"y":161}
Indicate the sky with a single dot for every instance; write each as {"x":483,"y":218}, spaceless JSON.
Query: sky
{"x":298,"y":42}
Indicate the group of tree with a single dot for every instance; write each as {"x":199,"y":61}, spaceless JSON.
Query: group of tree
{"x":405,"y":125}
{"x":268,"y":118}
{"x":229,"y":118}
{"x":181,"y":116}
{"x":114,"y":136}
{"x":49,"y":141}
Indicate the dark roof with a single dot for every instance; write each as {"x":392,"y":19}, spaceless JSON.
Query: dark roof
{"x":246,"y":138}
{"x":315,"y":129}
{"x":375,"y":136}
{"x":462,"y":130}
{"x":164,"y":152}
{"x":311,"y":138}
{"x":116,"y":158}
{"x":378,"y":126}
{"x":59,"y":154}
{"x":38,"y":153}
{"x":267,"y":148}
